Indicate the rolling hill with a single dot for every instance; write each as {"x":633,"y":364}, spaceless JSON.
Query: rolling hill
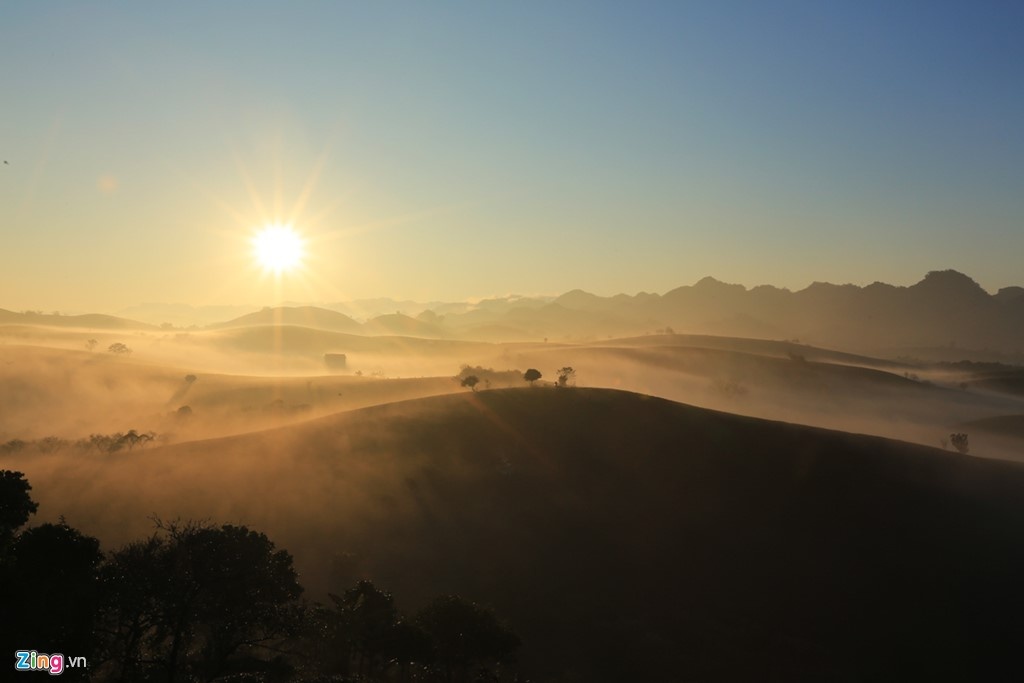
{"x":87,"y":320}
{"x":624,"y":537}
{"x":1009,"y":426}
{"x":945,"y":316}
{"x":302,"y":316}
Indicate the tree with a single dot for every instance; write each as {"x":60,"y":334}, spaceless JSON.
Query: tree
{"x":463,"y":634}
{"x":194,"y":596}
{"x":532,"y":375}
{"x":91,"y":344}
{"x":190,"y":378}
{"x":129,"y":615}
{"x":13,"y":446}
{"x":51,"y":444}
{"x":119,"y":349}
{"x":15,"y":504}
{"x":470,"y":381}
{"x":565,"y":375}
{"x":54,"y":587}
{"x":959,"y":441}
{"x":366,"y":618}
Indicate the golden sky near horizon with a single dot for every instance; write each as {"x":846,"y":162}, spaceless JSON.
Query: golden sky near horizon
{"x":457,"y":152}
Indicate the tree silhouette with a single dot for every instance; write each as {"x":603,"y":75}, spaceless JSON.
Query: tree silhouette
{"x":192,"y":597}
{"x":409,"y":644}
{"x":366,"y":619}
{"x":13,"y":446}
{"x":470,"y":381}
{"x":532,"y":375}
{"x":15,"y":504}
{"x":53,"y":577}
{"x":129,"y":613}
{"x":91,"y":344}
{"x":51,"y":444}
{"x":464,"y":634}
{"x":960,"y":443}
{"x":119,"y":349}
{"x":198,"y":602}
{"x":565,"y":375}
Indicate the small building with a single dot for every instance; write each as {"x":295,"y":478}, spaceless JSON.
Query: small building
{"x":335,"y":361}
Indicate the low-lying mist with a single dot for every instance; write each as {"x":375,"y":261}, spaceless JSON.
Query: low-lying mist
{"x":191,"y":385}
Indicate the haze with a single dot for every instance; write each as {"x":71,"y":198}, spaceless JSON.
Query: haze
{"x":480,"y":341}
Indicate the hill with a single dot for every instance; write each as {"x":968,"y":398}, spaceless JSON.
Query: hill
{"x":70,"y":394}
{"x":403,"y":325}
{"x":311,"y":342}
{"x":624,"y":537}
{"x":1011,"y":426}
{"x":87,"y":320}
{"x":303,"y":316}
{"x":945,"y":310}
{"x":947,"y":316}
{"x":779,"y":381}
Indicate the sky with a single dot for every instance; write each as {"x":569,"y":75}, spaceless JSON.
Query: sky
{"x":457,"y":150}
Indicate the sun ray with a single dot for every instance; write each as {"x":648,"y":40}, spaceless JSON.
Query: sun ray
{"x":309,"y":185}
{"x":254,"y":195}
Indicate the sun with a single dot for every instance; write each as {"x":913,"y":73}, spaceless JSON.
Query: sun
{"x":278,"y":248}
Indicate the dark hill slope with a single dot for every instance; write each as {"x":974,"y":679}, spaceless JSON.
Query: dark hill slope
{"x":626,"y":538}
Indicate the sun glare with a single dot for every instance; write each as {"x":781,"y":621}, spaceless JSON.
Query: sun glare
{"x":278,"y":248}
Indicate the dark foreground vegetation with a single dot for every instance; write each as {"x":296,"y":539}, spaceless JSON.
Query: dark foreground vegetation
{"x":198,"y":602}
{"x":621,"y":537}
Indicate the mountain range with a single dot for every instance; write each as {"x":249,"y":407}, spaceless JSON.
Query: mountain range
{"x":945,"y":310}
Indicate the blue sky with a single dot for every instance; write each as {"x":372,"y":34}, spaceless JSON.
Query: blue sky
{"x":456,"y":150}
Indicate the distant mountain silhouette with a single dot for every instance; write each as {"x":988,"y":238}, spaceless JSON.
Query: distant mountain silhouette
{"x":183,"y":315}
{"x":1010,"y":293}
{"x":88,"y":320}
{"x":305,"y":316}
{"x":946,"y":309}
{"x":403,"y":325}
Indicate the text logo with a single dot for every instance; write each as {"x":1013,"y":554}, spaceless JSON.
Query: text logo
{"x":30,"y":660}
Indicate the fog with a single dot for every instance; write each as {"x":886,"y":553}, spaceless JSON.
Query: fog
{"x":66,"y":383}
{"x":387,"y":466}
{"x":191,"y":391}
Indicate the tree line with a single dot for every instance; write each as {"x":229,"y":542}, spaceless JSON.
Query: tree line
{"x":197,"y":601}
{"x":471,"y":377}
{"x":106,"y":443}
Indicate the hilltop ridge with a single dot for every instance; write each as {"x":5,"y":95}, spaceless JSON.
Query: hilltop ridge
{"x":721,"y":546}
